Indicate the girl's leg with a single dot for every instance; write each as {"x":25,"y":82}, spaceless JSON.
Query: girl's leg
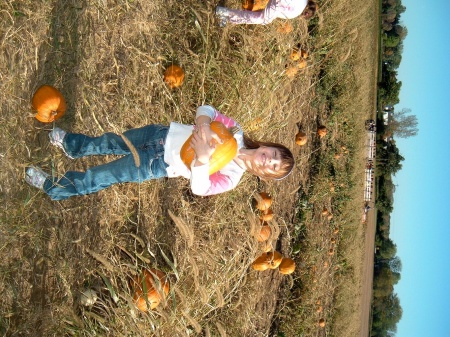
{"x":151,"y":165}
{"x":100,"y":177}
{"x":79,"y":145}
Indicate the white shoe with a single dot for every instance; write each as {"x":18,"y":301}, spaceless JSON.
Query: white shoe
{"x":36,"y":177}
{"x":56,"y":137}
{"x":222,"y":15}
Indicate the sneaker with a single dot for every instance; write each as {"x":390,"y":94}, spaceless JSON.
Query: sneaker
{"x":222,"y":16}
{"x":56,"y":138}
{"x":36,"y":177}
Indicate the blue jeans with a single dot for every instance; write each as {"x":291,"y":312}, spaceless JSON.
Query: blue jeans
{"x":148,"y":142}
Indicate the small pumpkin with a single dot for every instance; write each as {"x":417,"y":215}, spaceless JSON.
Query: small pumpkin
{"x":49,"y":104}
{"x":264,"y":233}
{"x":267,"y":215}
{"x":285,"y":28}
{"x":325,"y":211}
{"x":322,"y":323}
{"x":263,"y":201}
{"x":261,"y":263}
{"x":304,"y":53}
{"x":259,"y":5}
{"x":223,"y":154}
{"x":302,"y":64}
{"x":266,"y":246}
{"x":295,"y":55}
{"x":287,"y":266}
{"x":174,"y":76}
{"x":291,"y":71}
{"x":151,"y":286}
{"x":275,"y":259}
{"x":322,"y":131}
{"x":301,"y":138}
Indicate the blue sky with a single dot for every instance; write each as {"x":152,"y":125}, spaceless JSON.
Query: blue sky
{"x":420,"y":223}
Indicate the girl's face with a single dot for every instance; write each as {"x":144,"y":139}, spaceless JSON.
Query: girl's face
{"x":267,"y":159}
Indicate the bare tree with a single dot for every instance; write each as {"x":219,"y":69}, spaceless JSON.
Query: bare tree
{"x":403,"y":124}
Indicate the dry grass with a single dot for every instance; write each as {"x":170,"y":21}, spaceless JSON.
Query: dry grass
{"x":107,"y":58}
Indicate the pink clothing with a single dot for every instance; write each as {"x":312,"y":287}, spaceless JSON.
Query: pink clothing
{"x":201,"y":182}
{"x":284,"y":9}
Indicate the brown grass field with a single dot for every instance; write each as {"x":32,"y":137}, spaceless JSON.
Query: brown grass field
{"x":107,"y":57}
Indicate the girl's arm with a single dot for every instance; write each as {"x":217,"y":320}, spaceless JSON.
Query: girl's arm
{"x":201,"y":182}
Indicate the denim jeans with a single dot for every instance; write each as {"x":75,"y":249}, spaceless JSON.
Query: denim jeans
{"x":148,"y":142}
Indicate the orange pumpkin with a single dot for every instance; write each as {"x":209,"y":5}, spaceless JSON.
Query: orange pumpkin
{"x":322,"y":131}
{"x":302,"y":64}
{"x":301,"y":138}
{"x":174,"y":76}
{"x":322,"y":323}
{"x":264,"y":233}
{"x":261,"y":263}
{"x":275,"y":259}
{"x":267,"y":215}
{"x":291,"y":71}
{"x":295,"y":55}
{"x":254,"y":5}
{"x":303,"y":53}
{"x":285,"y":28}
{"x":223,"y":154}
{"x":287,"y":266}
{"x":263,"y":201}
{"x":49,"y":104}
{"x":150,"y":287}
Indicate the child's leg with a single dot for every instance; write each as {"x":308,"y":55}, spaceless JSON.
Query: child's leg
{"x":125,"y":169}
{"x":79,"y":145}
{"x":100,"y":177}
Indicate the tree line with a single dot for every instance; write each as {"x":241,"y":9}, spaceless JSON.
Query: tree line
{"x":391,"y":124}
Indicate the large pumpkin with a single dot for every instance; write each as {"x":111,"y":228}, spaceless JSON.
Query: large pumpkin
{"x":287,"y":266}
{"x":151,"y":286}
{"x":49,"y":104}
{"x":223,"y":154}
{"x":174,"y":76}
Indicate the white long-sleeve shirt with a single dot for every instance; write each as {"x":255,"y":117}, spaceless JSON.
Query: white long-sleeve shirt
{"x":201,"y":182}
{"x":283,"y":9}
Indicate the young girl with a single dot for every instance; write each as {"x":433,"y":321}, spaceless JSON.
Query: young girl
{"x":158,"y":151}
{"x":284,"y":9}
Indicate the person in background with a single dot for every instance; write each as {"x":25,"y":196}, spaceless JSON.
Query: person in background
{"x":284,"y":9}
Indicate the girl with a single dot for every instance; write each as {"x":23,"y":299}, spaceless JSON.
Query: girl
{"x":284,"y":9}
{"x":157,"y":154}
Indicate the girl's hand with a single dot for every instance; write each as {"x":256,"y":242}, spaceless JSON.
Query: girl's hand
{"x":211,"y":137}
{"x":202,"y":147}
